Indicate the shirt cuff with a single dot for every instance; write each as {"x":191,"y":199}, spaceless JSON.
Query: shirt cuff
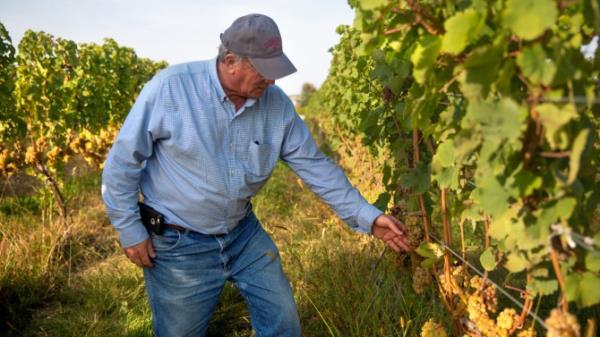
{"x":133,"y":235}
{"x":365,"y":218}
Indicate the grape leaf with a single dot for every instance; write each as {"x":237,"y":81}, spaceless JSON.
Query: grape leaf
{"x":371,"y":4}
{"x":488,"y":262}
{"x":480,"y":69}
{"x":553,"y":119}
{"x":462,"y":28}
{"x":382,"y":201}
{"x":447,"y":177}
{"x":424,"y":56}
{"x":491,"y":196}
{"x":503,"y":119}
{"x":542,"y":287}
{"x":579,"y":145}
{"x":515,"y":262}
{"x":444,"y":155}
{"x":528,"y":19}
{"x":592,"y":261}
{"x":432,"y":252}
{"x":536,"y":65}
{"x":582,"y":288}
{"x":524,"y":183}
{"x":417,"y":179}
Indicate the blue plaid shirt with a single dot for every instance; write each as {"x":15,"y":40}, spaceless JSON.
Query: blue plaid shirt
{"x":199,"y":162}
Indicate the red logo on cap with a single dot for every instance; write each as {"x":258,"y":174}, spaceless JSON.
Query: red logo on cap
{"x":274,"y":43}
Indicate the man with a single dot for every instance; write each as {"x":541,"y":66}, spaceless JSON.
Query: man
{"x":200,"y":141}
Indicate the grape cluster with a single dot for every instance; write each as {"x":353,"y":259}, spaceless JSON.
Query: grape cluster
{"x":35,"y":153}
{"x":527,"y":333}
{"x":459,"y":278}
{"x":506,"y":319}
{"x":93,"y":147}
{"x":562,"y":324}
{"x":421,"y":279}
{"x":414,"y":231}
{"x":433,"y":329}
{"x":11,"y":160}
{"x":478,"y":314}
{"x":487,"y":290}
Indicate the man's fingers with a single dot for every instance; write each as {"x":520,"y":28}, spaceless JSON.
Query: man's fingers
{"x":151,"y":251}
{"x":389,"y":235}
{"x":393,"y":245}
{"x":398,"y":240}
{"x":399,"y":224}
{"x":394,"y":224}
{"x":145,"y":258}
{"x":141,"y":253}
{"x":401,"y":242}
{"x":135,"y":260}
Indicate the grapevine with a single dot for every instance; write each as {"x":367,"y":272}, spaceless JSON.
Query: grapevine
{"x":489,"y":113}
{"x":59,"y":100}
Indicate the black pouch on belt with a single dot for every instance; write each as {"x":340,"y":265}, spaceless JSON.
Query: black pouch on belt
{"x":153,"y":220}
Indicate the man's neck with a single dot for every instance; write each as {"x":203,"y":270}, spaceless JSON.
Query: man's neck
{"x":237,"y":100}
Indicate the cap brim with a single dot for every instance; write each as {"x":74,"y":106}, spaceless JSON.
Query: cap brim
{"x":273,"y":68}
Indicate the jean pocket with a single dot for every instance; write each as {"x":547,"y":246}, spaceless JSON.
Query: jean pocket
{"x":167,"y":241}
{"x":260,"y":159}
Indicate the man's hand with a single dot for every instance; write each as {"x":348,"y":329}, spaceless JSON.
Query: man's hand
{"x":141,"y":254}
{"x":391,"y":231}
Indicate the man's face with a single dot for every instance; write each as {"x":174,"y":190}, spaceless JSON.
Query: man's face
{"x":249,"y":82}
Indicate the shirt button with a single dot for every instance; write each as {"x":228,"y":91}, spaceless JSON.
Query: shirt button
{"x":231,"y":145}
{"x":231,"y":172}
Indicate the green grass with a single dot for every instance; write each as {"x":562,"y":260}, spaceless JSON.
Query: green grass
{"x":84,"y":286}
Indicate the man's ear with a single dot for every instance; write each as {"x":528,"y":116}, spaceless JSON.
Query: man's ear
{"x":229,"y":59}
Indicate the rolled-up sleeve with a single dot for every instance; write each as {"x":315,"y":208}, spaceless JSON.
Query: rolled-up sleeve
{"x":324,"y":177}
{"x":125,"y":162}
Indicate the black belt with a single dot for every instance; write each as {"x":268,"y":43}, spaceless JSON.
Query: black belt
{"x":177,"y":227}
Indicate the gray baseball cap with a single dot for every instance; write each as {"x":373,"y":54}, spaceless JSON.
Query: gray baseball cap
{"x":257,"y":37}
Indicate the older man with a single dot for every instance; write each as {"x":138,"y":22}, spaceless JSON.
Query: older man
{"x":200,"y":141}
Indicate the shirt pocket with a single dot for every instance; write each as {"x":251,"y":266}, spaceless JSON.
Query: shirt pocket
{"x":260,"y":159}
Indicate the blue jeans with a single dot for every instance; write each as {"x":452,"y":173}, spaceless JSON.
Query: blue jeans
{"x":190,"y":271}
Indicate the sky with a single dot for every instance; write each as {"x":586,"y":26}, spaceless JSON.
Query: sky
{"x":186,"y":30}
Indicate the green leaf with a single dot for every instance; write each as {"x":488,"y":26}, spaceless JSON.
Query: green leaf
{"x":447,"y":177}
{"x":582,"y":288}
{"x":424,"y":56}
{"x":432,"y":252}
{"x":542,"y":287}
{"x":528,"y":19}
{"x":498,"y":120}
{"x":481,"y":69}
{"x":525,"y":182}
{"x":382,"y":201}
{"x":417,"y":179}
{"x":461,"y":29}
{"x":552,"y":212}
{"x":371,"y":4}
{"x":592,"y":261}
{"x":579,"y":145}
{"x":502,"y":226}
{"x":444,"y":155}
{"x":488,"y":262}
{"x":491,"y":196}
{"x":553,"y":119}
{"x":536,"y":65}
{"x":515,"y":262}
